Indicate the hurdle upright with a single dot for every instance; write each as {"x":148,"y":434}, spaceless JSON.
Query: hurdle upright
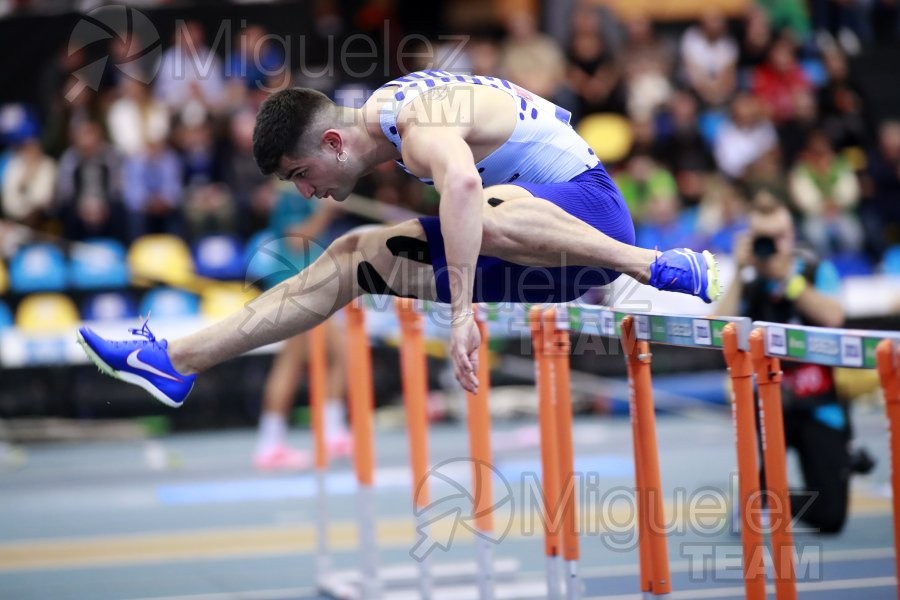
{"x":638,"y":330}
{"x":845,"y":348}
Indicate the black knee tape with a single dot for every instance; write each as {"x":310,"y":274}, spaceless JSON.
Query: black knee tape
{"x":494,"y":202}
{"x":403,"y":246}
{"x":372,"y":282}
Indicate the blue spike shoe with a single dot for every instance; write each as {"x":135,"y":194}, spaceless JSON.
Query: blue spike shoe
{"x":686,"y":271}
{"x":144,"y":363}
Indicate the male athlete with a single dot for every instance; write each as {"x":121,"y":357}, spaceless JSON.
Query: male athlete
{"x":527,"y":214}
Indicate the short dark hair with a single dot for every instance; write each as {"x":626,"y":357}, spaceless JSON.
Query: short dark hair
{"x":282,"y":120}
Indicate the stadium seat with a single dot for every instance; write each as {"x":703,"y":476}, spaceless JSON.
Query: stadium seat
{"x":98,"y":264}
{"x":4,"y":278}
{"x":161,"y":258}
{"x":262,"y":259}
{"x":219,"y":257}
{"x":6,"y":319}
{"x":852,"y":264}
{"x":709,"y":124}
{"x":38,"y":268}
{"x":815,"y":71}
{"x":608,"y":134}
{"x":891,"y":262}
{"x":169,"y":303}
{"x":46,"y":313}
{"x":219,"y":301}
{"x":108,"y":306}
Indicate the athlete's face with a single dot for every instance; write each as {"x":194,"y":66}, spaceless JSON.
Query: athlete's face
{"x":319,"y":175}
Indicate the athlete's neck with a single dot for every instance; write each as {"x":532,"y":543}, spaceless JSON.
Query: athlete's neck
{"x":367,"y":142}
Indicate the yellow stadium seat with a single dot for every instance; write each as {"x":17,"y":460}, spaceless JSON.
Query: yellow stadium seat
{"x":46,"y":313}
{"x":4,"y":278}
{"x":608,"y":134}
{"x":219,"y":300}
{"x":161,"y":258}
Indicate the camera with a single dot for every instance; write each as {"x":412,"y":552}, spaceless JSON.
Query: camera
{"x":763,"y":247}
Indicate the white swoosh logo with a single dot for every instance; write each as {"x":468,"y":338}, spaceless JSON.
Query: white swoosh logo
{"x":134,"y":361}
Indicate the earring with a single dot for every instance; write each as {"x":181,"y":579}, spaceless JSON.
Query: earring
{"x":343,"y":156}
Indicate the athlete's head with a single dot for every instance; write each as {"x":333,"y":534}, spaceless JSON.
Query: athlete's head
{"x":301,"y":135}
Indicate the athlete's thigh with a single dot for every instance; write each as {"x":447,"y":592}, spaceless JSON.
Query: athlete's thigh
{"x":395,"y":260}
{"x":496,"y":194}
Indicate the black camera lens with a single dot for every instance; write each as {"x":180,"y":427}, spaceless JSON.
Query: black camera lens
{"x":763,"y":246}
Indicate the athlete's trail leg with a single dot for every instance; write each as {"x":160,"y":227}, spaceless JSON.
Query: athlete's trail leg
{"x":532,"y":231}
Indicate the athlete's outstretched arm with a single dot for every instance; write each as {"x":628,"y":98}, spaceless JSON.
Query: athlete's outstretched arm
{"x":443,"y":154}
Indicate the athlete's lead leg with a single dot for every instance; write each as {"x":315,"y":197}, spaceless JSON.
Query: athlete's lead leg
{"x":363,"y":261}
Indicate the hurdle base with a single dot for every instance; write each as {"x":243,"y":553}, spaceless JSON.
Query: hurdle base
{"x":449,"y":581}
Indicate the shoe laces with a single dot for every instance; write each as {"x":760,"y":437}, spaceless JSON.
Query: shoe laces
{"x":144,"y":331}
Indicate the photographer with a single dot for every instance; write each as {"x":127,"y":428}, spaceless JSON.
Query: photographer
{"x":778,"y":281}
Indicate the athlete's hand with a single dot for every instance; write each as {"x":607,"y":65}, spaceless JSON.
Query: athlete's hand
{"x":464,"y":342}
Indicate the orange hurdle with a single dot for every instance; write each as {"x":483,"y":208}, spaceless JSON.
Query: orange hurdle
{"x":652,"y":541}
{"x":771,"y":424}
{"x":414,"y":371}
{"x":479,"y":420}
{"x":741,"y":372}
{"x":318,"y":377}
{"x":888,"y":362}
{"x":549,"y":458}
{"x":556,"y":347}
{"x":360,"y":393}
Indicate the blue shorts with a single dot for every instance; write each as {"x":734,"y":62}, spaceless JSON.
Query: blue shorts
{"x":591,"y":197}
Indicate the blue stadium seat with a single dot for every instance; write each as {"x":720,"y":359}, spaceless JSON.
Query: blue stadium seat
{"x":849,"y":264}
{"x":38,"y":268}
{"x":815,"y":71}
{"x":262,"y":259}
{"x":219,"y":257}
{"x":169,"y":303}
{"x":108,"y":306}
{"x":98,"y":264}
{"x":6,"y":318}
{"x":891,"y":263}
{"x":709,"y":124}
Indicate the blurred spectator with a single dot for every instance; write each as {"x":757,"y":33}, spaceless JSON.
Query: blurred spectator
{"x":881,"y":209}
{"x":722,"y":215}
{"x":709,"y":55}
{"x":532,"y":59}
{"x":190,"y":74}
{"x":746,"y":138}
{"x":841,"y":104}
{"x":791,"y":15}
{"x":847,"y":20}
{"x":756,"y":39}
{"x":136,"y":118}
{"x":484,"y":54}
{"x":252,"y":191}
{"x":153,"y":190}
{"x":594,"y":73}
{"x":794,"y":132}
{"x":641,"y":181}
{"x":779,"y":79}
{"x":208,"y":206}
{"x":28,"y":181}
{"x":89,"y":189}
{"x":679,"y":144}
{"x":664,"y":225}
{"x":256,"y":59}
{"x":647,"y":68}
{"x":885,"y":20}
{"x":825,"y":192}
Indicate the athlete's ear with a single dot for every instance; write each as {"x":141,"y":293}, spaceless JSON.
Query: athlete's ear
{"x":332,"y":140}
